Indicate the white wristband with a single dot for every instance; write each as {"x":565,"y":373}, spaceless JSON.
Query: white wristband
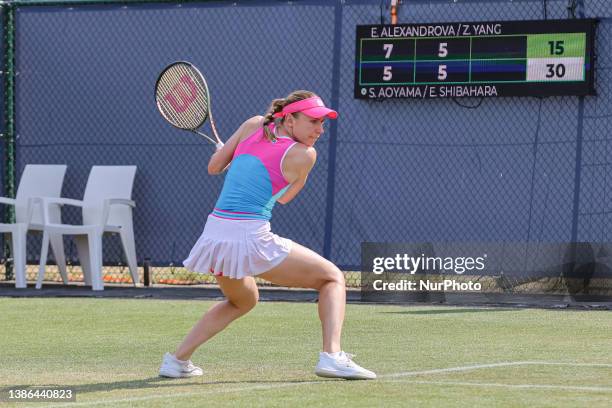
{"x":219,"y":146}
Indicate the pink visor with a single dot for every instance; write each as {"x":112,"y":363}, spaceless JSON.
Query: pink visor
{"x":313,"y":107}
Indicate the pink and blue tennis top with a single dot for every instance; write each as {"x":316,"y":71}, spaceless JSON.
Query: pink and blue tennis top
{"x":255,"y":178}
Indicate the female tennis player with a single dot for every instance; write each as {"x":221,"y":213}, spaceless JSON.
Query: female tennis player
{"x":270,"y":158}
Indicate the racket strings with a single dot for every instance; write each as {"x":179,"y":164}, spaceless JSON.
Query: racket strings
{"x":182,"y":97}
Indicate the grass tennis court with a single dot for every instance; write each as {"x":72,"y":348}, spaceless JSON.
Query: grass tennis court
{"x":109,"y":351}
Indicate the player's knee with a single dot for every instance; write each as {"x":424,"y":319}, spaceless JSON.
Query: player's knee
{"x":246,"y":302}
{"x":334,"y":274}
{"x":250,"y":301}
{"x":338,"y":277}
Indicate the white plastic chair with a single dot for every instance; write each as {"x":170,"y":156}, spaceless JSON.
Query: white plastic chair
{"x":106,"y":207}
{"x":37,"y":180}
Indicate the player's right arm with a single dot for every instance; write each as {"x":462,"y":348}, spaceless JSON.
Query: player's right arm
{"x":296,"y":166}
{"x":222,"y":158}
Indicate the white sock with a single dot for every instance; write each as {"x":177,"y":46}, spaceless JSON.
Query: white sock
{"x":334,"y":355}
{"x":180,"y":361}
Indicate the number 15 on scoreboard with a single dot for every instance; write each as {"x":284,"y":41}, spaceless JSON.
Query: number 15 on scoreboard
{"x":556,"y":57}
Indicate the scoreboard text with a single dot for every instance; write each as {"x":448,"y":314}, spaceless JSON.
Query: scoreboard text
{"x":507,"y":58}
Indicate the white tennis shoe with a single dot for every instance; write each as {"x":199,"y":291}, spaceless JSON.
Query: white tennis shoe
{"x":174,"y":368}
{"x":341,"y":365}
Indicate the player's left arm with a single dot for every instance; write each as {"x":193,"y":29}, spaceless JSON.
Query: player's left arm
{"x":303,"y":163}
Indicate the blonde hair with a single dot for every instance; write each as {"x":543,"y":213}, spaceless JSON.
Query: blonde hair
{"x":277,"y":105}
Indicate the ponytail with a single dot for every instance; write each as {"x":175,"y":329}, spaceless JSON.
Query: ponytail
{"x":277,"y":106}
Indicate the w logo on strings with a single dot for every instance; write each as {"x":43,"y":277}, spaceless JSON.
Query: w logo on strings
{"x":182,"y":95}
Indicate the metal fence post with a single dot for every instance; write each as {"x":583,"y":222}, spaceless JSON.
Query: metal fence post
{"x":579,"y":140}
{"x":333,"y":131}
{"x":8,"y":12}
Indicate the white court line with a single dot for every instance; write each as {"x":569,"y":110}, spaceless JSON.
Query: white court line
{"x":569,"y":364}
{"x":481,"y":366}
{"x":383,"y":376}
{"x":452,"y":369}
{"x":522,"y":386}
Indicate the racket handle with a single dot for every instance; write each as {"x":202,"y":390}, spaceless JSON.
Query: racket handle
{"x":219,"y":145}
{"x":210,"y":139}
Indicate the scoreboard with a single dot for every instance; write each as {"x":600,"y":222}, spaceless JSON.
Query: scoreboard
{"x":448,"y":60}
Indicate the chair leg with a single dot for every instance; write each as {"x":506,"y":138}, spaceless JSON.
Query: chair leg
{"x":57,"y":245}
{"x":84,"y":256}
{"x":44,"y":251}
{"x":18,"y":240}
{"x":95,"y":259}
{"x":129,"y":249}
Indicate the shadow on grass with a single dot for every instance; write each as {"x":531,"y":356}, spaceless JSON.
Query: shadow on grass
{"x":152,"y":382}
{"x":451,"y":311}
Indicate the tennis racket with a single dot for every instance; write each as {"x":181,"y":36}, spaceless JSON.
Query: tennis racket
{"x":182,"y":98}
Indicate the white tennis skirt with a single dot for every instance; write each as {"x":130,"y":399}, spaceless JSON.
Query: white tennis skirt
{"x":237,"y":248}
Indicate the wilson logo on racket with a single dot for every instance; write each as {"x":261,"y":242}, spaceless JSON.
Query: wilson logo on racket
{"x":187,"y":96}
{"x":182,"y":98}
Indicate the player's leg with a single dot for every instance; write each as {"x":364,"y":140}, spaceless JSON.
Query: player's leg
{"x":305,"y":268}
{"x":241,"y":296}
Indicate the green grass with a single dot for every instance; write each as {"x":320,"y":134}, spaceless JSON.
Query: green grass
{"x":109,"y":351}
